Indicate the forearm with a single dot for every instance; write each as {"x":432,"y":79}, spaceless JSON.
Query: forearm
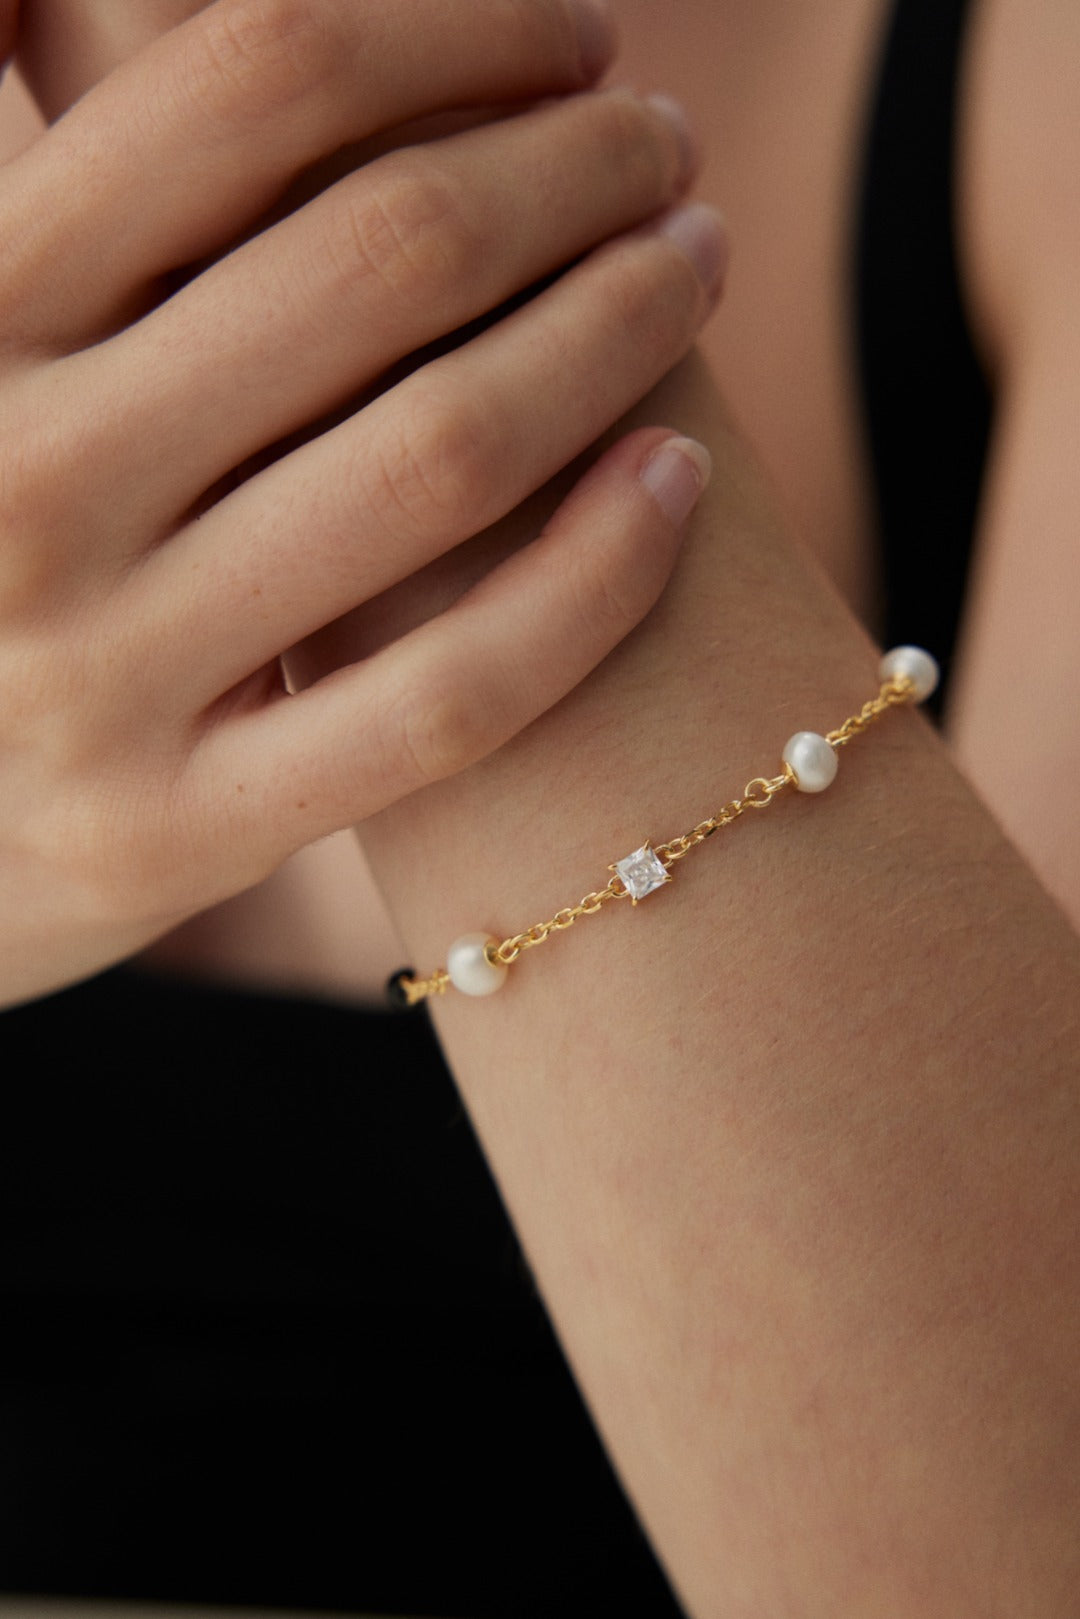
{"x":791,"y":1147}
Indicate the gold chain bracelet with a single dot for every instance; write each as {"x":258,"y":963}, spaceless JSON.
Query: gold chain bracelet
{"x":477,"y":963}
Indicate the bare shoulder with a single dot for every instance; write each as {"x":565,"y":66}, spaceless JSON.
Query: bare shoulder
{"x":1018,"y":687}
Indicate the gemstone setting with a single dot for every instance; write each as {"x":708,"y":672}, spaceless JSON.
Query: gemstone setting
{"x":641,"y":872}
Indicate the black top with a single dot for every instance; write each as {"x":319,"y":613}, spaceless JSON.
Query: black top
{"x":268,"y":1335}
{"x":926,"y":399}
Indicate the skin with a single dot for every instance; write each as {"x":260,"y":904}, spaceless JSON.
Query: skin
{"x":788,"y":197}
{"x":787,"y":185}
{"x":810,"y":1239}
{"x":791,"y":1147}
{"x":153,"y":760}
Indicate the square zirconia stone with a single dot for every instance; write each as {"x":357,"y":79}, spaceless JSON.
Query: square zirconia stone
{"x":641,"y":872}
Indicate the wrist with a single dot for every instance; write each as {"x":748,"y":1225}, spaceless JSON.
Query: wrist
{"x":748,"y":644}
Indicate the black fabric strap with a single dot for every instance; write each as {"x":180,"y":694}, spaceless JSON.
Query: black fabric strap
{"x":926,"y":399}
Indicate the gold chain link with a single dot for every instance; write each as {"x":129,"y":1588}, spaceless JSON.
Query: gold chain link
{"x":511,"y":949}
{"x":892,"y":693}
{"x":757,"y":795}
{"x":415,"y":990}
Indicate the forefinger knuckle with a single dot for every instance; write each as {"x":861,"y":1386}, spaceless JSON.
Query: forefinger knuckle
{"x":404,"y":225}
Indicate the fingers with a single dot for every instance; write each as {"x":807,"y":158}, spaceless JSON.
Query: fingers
{"x":223,"y":111}
{"x":405,"y":251}
{"x":438,"y":458}
{"x":448,"y":693}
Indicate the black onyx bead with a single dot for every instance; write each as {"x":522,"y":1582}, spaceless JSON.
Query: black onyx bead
{"x":395,"y":990}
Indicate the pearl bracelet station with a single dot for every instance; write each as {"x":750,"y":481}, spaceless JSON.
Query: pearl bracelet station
{"x":478,"y":963}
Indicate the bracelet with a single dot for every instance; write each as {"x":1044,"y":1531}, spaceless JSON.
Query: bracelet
{"x":478,"y":963}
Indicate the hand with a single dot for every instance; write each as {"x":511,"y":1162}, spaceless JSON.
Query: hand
{"x":151,"y":761}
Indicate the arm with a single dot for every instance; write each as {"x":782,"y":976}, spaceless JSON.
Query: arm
{"x":1017,"y":694}
{"x":791,"y":1147}
{"x":806,"y":1231}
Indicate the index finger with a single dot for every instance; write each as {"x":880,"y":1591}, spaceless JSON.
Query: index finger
{"x":182,"y":148}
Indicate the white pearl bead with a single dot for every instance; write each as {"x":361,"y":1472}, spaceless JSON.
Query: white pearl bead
{"x":469,"y":968}
{"x":813,"y":761}
{"x":919,"y":667}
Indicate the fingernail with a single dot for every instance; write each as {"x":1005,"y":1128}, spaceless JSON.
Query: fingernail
{"x":702,"y":235}
{"x":596,"y":35}
{"x":674,"y":115}
{"x":676,"y":475}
